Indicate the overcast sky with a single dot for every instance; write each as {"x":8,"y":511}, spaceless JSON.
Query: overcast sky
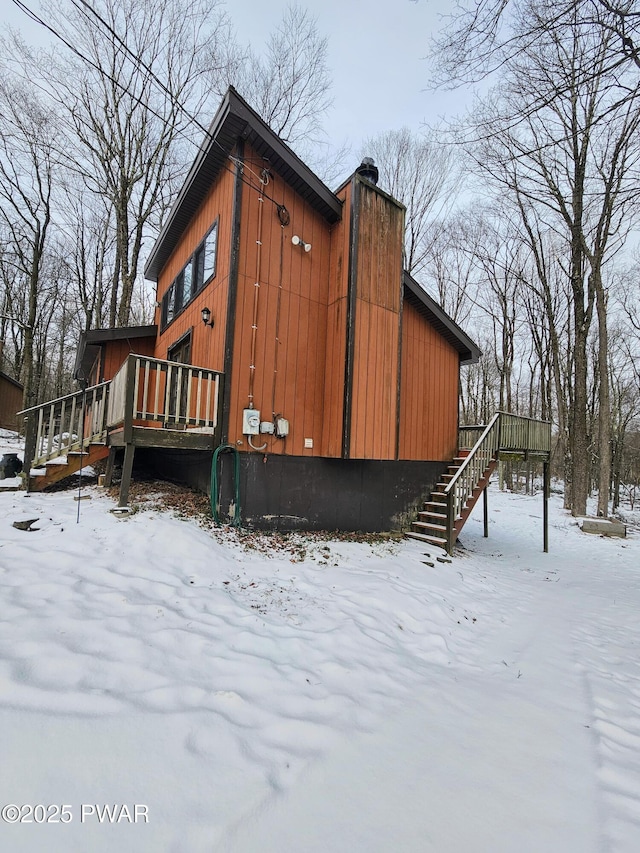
{"x":376,"y":55}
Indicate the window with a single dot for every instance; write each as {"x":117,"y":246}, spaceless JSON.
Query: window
{"x":204,"y":260}
{"x":168,"y":305}
{"x":200,"y":268}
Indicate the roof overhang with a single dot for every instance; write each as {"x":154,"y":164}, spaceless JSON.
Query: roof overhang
{"x":90,"y":343}
{"x":235,"y":120}
{"x":440,"y":320}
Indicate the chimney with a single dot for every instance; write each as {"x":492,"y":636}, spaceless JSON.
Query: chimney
{"x":368,"y":170}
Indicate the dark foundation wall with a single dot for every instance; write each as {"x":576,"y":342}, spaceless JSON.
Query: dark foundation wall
{"x":300,"y":493}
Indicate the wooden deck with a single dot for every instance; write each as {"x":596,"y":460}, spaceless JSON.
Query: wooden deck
{"x":148,"y":403}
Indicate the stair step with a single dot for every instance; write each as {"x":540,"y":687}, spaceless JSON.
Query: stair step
{"x":423,"y":537}
{"x":427,"y":513}
{"x":426,"y":525}
{"x":434,"y":506}
{"x":436,"y":494}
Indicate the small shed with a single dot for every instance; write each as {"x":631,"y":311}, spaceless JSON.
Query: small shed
{"x":10,"y":401}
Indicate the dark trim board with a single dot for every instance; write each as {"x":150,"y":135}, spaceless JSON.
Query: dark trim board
{"x":303,"y":493}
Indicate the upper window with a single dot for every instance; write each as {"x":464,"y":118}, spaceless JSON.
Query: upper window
{"x":198,"y":271}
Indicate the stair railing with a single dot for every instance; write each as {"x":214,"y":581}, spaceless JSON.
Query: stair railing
{"x":54,"y":428}
{"x":466,"y":479}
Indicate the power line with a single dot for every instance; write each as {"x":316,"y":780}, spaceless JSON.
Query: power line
{"x":140,"y":64}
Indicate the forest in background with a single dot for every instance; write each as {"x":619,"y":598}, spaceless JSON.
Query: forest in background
{"x":521,"y":215}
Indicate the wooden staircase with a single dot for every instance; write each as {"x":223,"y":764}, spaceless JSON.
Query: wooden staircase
{"x":56,"y":470}
{"x":432,"y":523}
{"x":466,"y":478}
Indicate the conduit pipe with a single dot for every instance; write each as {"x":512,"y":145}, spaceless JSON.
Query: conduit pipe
{"x":254,"y":325}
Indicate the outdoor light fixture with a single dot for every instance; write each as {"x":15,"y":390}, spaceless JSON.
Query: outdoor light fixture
{"x":207,"y":319}
{"x":298,"y":241}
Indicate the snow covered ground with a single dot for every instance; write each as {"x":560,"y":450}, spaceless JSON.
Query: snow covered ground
{"x":320,"y":696}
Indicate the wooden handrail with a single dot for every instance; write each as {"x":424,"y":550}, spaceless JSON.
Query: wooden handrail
{"x":505,"y":433}
{"x":167,"y":392}
{"x":55,"y":428}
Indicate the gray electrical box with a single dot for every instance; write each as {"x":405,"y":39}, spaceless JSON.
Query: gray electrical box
{"x":282,"y":427}
{"x":250,"y":422}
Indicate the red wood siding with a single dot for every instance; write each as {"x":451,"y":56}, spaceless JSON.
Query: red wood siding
{"x":10,"y":403}
{"x":374,"y":412}
{"x":114,"y":354}
{"x":207,"y":344}
{"x":290,"y":338}
{"x":298,"y":348}
{"x":429,"y":391}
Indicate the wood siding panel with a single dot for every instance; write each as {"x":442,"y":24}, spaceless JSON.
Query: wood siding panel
{"x":114,"y":354}
{"x":374,"y":411}
{"x":207,"y":344}
{"x":291,"y":333}
{"x":429,"y":391}
{"x":10,"y":403}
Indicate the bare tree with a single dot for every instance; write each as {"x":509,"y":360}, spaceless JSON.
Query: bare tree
{"x":289,"y":83}
{"x":134,"y":76}
{"x":27,"y":167}
{"x":571,"y":162}
{"x":482,"y":36}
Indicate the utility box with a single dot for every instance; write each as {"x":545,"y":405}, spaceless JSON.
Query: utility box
{"x":282,"y":427}
{"x":250,"y":422}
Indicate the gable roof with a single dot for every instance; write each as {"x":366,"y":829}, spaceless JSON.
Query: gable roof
{"x":234,"y":119}
{"x":440,"y":320}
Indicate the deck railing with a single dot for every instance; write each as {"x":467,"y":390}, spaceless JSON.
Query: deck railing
{"x":519,"y":434}
{"x":505,"y":433}
{"x":67,"y":424}
{"x":165,"y":392}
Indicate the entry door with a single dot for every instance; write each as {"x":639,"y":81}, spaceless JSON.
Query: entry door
{"x":180,"y":352}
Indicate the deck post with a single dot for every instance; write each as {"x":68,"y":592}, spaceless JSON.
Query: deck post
{"x":127,"y":467}
{"x":129,"y":401}
{"x":29,"y":447}
{"x":546,"y":489}
{"x":485,"y":506}
{"x":108,"y":471}
{"x":451,"y":533}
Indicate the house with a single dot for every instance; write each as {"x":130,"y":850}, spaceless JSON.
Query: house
{"x":10,"y":402}
{"x":293,"y":365}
